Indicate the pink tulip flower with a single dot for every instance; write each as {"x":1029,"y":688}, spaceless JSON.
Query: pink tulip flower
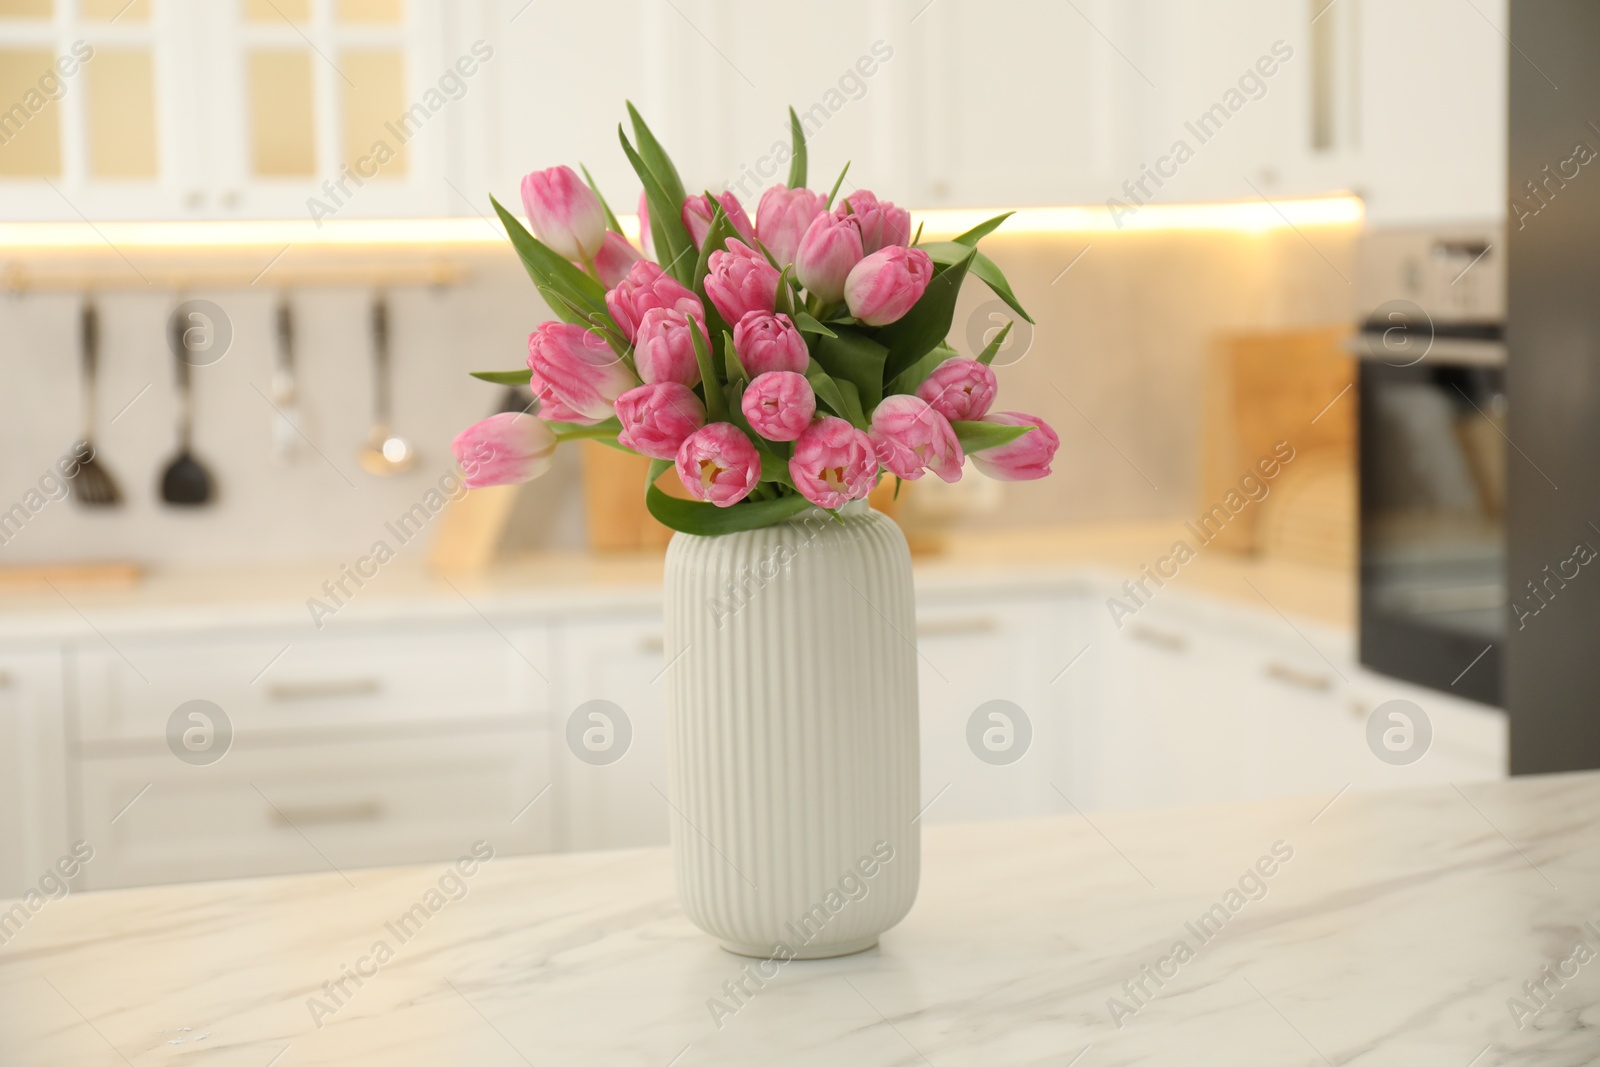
{"x":648,"y":286}
{"x":663,"y":348}
{"x":882,"y":224}
{"x":564,"y":213}
{"x":885,"y":285}
{"x":782,"y":218}
{"x":960,"y":388}
{"x":644,"y":225}
{"x":579,"y":368}
{"x":615,"y":259}
{"x":779,"y":405}
{"x":833,"y":463}
{"x":828,"y":251}
{"x":656,"y":419}
{"x":1022,"y":460}
{"x":551,"y":408}
{"x":717,"y":463}
{"x":909,"y":436}
{"x":698,"y":211}
{"x":765,"y":341}
{"x":504,"y":449}
{"x":741,"y":281}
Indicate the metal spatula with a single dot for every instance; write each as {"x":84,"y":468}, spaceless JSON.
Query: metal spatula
{"x":185,"y":482}
{"x":92,"y":485}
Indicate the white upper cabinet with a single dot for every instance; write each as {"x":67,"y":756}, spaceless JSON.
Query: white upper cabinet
{"x":384,"y":108}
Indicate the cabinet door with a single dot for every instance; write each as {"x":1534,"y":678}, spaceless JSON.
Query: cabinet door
{"x":611,"y":674}
{"x":97,"y":98}
{"x":33,"y":792}
{"x":270,"y":809}
{"x":1016,"y":104}
{"x":984,"y":659}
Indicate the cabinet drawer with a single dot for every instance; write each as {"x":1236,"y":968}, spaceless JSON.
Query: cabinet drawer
{"x":290,"y":684}
{"x":265,"y":810}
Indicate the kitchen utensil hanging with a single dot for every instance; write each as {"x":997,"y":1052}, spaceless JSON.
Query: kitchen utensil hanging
{"x":385,"y":452}
{"x":92,"y":485}
{"x":285,"y":398}
{"x":185,"y":482}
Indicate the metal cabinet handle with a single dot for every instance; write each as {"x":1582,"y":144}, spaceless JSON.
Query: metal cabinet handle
{"x":977,"y":624}
{"x":1282,"y":672}
{"x":1166,"y":639}
{"x":361,"y":811}
{"x":333,"y":689}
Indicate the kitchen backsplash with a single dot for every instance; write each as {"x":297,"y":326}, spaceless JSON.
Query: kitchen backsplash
{"x":1115,"y":364}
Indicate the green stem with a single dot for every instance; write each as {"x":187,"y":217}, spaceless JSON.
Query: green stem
{"x":587,"y":433}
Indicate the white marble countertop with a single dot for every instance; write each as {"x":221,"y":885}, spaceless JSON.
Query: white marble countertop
{"x":1401,"y":931}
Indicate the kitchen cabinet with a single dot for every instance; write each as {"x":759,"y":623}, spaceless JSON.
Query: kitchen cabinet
{"x":33,"y":767}
{"x":987,"y":658}
{"x":404,"y":739}
{"x":191,"y":109}
{"x":610,"y":729}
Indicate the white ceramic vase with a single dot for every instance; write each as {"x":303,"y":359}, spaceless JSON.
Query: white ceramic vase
{"x":792,"y":733}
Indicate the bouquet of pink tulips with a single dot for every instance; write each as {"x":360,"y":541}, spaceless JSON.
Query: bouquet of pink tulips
{"x":776,"y":365}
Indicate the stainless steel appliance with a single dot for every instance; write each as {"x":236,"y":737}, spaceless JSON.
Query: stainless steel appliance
{"x":1433,"y":458}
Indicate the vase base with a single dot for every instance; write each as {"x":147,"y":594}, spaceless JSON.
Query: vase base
{"x":811,"y":952}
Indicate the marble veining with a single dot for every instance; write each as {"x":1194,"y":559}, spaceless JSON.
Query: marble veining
{"x":1397,"y":933}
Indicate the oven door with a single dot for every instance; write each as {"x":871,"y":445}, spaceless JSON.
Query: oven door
{"x":1433,"y":540}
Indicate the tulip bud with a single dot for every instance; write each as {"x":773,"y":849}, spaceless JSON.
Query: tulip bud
{"x":909,"y":436}
{"x":615,"y":259}
{"x":741,"y":281}
{"x":699,"y":211}
{"x":882,"y":224}
{"x":766,"y":342}
{"x":648,"y":286}
{"x":884,"y":286}
{"x":564,"y":213}
{"x":782,"y":218}
{"x":657,"y":419}
{"x":833,"y":463}
{"x":504,"y":449}
{"x":830,"y":248}
{"x":779,"y":405}
{"x":663,"y":349}
{"x":579,"y":368}
{"x":1022,"y":460}
{"x":960,"y":388}
{"x":717,"y":463}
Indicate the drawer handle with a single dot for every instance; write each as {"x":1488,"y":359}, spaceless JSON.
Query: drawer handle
{"x":1282,"y":672}
{"x":287,"y":692}
{"x":1172,"y":642}
{"x":365,"y":811}
{"x":981,"y":624}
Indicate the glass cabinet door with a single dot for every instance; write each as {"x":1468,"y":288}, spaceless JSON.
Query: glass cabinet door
{"x":329,"y":109}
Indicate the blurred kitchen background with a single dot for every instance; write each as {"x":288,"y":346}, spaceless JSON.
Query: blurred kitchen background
{"x":1322,"y":264}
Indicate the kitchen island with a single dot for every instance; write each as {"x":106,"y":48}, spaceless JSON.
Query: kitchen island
{"x":1436,"y":925}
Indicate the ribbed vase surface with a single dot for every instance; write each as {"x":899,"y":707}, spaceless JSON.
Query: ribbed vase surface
{"x":792,"y":733}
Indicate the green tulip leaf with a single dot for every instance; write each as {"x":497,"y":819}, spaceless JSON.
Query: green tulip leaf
{"x":504,"y":377}
{"x":582,"y":299}
{"x":708,"y":520}
{"x":827,"y":204}
{"x":992,"y":349}
{"x":982,"y":230}
{"x":658,"y":467}
{"x":656,"y":158}
{"x":797,"y":160}
{"x":908,"y":380}
{"x":674,"y":249}
{"x":977,"y":436}
{"x":829,"y":392}
{"x":985,"y":270}
{"x":851,"y":356}
{"x":806,"y":324}
{"x":716,"y":402}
